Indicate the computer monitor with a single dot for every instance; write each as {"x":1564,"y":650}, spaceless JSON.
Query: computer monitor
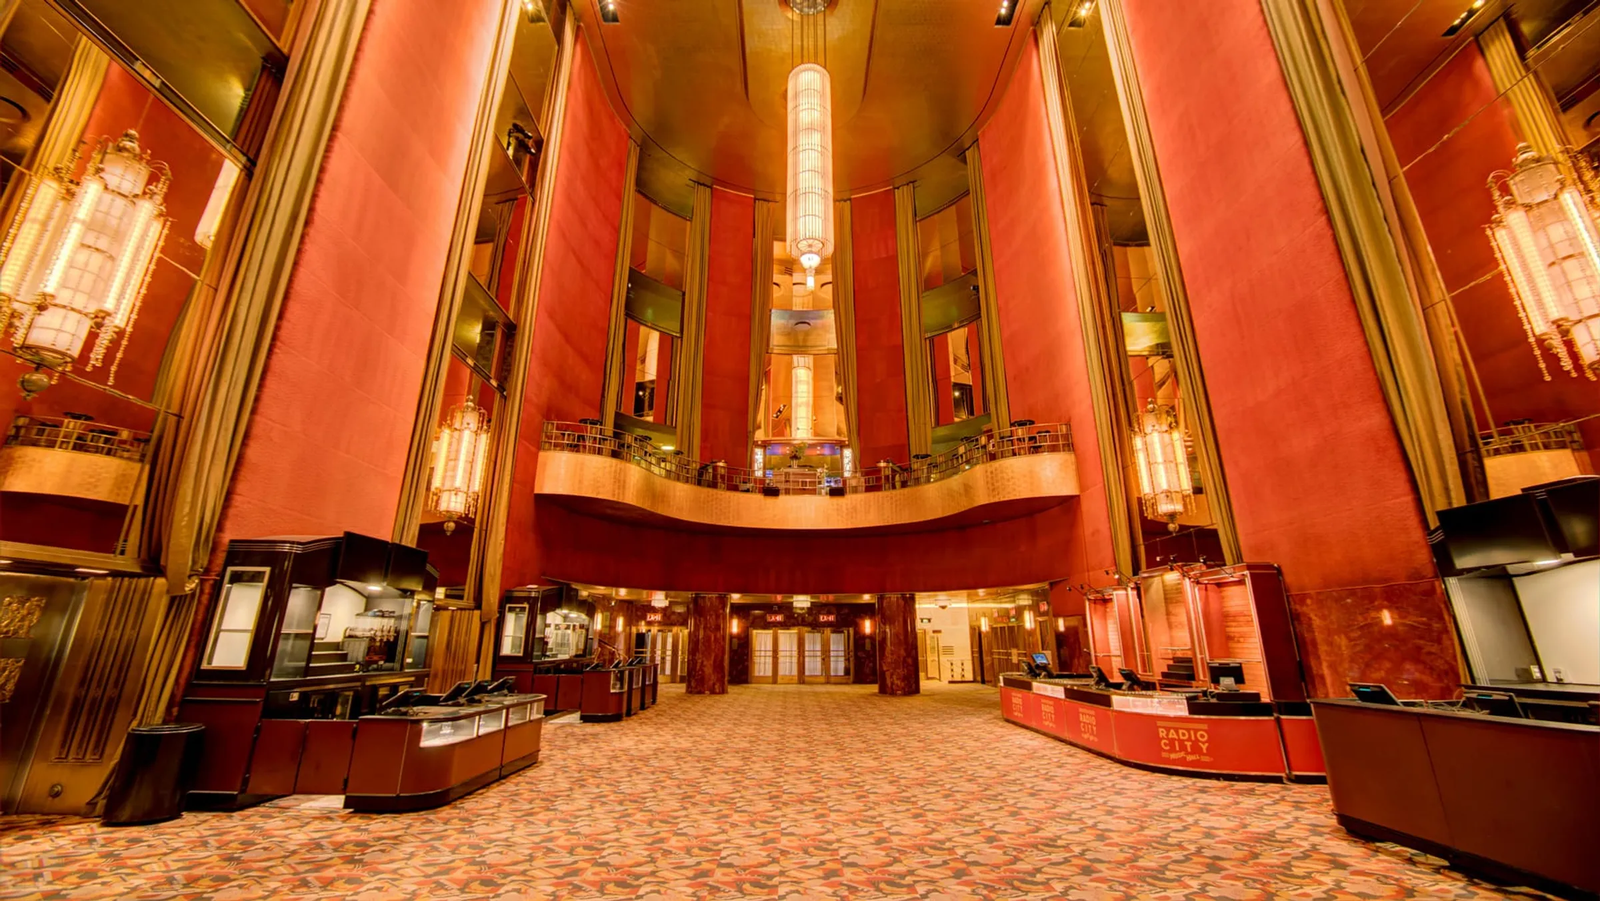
{"x":1042,"y":659}
{"x":1494,"y":703}
{"x":1132,"y":682}
{"x":456,"y":692}
{"x":478,"y":689}
{"x":408,"y":698}
{"x":1226,"y":669}
{"x":1373,"y":693}
{"x":509,"y":683}
{"x":1101,"y":680}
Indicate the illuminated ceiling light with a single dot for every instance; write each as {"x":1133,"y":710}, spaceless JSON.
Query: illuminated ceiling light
{"x":1465,"y":17}
{"x":1546,"y":239}
{"x":89,"y":570}
{"x":460,"y":453}
{"x":658,"y":599}
{"x":1080,"y":14}
{"x":608,"y":12}
{"x":802,"y":602}
{"x":78,"y":255}
{"x":1008,"y":10}
{"x":810,"y":183}
{"x":1161,"y":453}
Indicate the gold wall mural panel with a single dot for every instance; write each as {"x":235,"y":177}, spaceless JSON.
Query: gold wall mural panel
{"x":62,"y":473}
{"x":18,"y":616}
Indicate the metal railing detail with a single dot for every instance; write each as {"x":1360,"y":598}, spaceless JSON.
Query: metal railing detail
{"x":1017,"y":441}
{"x":79,"y":436}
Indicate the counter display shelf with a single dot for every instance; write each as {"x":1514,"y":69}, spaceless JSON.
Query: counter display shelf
{"x":430,"y":756}
{"x":1166,"y":731}
{"x":1509,"y":798}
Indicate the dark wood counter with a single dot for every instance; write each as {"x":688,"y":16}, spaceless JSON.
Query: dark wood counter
{"x":434,"y":755}
{"x":1513,"y":799}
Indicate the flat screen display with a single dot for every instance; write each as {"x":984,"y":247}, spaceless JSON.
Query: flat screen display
{"x":1495,"y":533}
{"x":1041,"y":659}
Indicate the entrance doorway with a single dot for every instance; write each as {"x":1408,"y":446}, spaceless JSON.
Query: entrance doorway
{"x":668,"y":647}
{"x":799,"y":656}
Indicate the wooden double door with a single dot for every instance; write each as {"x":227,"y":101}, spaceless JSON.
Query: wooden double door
{"x":800,"y":656}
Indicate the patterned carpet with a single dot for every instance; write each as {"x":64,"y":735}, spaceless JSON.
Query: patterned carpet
{"x":773,"y":791}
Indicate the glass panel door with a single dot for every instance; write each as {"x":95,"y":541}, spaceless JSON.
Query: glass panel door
{"x":838,"y":655}
{"x":761,"y":668}
{"x":814,"y":669}
{"x":788,"y":654}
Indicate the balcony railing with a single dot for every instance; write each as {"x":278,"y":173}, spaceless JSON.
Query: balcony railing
{"x":79,"y":436}
{"x":1522,"y":437}
{"x":1017,"y":441}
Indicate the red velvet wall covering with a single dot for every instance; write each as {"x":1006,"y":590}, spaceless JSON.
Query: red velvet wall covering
{"x":1317,"y":478}
{"x":1448,"y":186}
{"x":567,"y":371}
{"x":326,"y":450}
{"x":880,"y":363}
{"x":1042,"y":340}
{"x":725,"y":377}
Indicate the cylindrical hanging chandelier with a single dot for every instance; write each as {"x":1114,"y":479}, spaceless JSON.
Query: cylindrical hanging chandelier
{"x":810,"y":184}
{"x":802,"y":380}
{"x":78,"y":255}
{"x":460,"y":452}
{"x":1545,"y":235}
{"x":1162,"y":456}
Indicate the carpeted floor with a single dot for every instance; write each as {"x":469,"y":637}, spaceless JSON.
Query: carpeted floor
{"x":775,"y":791}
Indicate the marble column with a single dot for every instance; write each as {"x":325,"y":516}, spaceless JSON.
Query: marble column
{"x":708,"y":644}
{"x":897,"y":645}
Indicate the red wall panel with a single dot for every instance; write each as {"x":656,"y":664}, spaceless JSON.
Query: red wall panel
{"x":880,"y":362}
{"x":1047,"y":377}
{"x":1447,"y":183}
{"x":725,"y":377}
{"x":567,"y":371}
{"x":326,"y":449}
{"x":1316,"y":474}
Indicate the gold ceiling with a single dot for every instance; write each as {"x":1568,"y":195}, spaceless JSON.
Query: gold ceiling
{"x":701,"y":83}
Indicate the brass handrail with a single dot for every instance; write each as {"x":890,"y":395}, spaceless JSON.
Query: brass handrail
{"x":78,"y":436}
{"x":1016,"y":441}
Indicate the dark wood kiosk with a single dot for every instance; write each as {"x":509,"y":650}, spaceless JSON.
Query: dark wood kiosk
{"x":428,"y":756}
{"x":548,"y":645}
{"x":309,"y":639}
{"x":1197,"y":673}
{"x":1515,"y":799}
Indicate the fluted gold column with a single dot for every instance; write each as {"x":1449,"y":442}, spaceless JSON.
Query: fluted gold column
{"x":996,"y":399}
{"x":1094,"y":286}
{"x":691,"y":356}
{"x":1535,"y":108}
{"x":68,"y":116}
{"x":844,"y":320}
{"x":617,"y":331}
{"x":1389,"y":309}
{"x":919,"y":388}
{"x":1164,"y":251}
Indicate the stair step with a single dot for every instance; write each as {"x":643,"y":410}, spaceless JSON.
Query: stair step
{"x":328,"y":657}
{"x":329,"y":669}
{"x":327,"y":646}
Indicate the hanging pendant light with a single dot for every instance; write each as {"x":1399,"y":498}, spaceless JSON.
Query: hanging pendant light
{"x":810,"y":183}
{"x":460,"y":452}
{"x":78,"y":255}
{"x":658,"y":599}
{"x":1545,"y":236}
{"x":801,"y":601}
{"x":1161,"y":453}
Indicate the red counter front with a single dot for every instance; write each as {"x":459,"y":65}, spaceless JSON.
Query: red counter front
{"x":1247,"y":746}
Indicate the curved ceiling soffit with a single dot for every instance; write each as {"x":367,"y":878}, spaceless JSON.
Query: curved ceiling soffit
{"x":938,"y":158}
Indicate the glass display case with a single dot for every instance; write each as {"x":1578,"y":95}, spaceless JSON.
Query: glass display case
{"x":448,"y":732}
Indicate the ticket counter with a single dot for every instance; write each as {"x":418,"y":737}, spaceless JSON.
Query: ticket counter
{"x":1165,"y":731}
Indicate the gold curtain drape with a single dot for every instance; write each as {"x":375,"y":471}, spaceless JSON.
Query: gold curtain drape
{"x":919,"y":388}
{"x":617,"y":330}
{"x":761,"y":276}
{"x":1389,"y":309}
{"x":1093,"y":282}
{"x":993,"y":359}
{"x":844,"y":319}
{"x":1164,"y":251}
{"x":691,"y":357}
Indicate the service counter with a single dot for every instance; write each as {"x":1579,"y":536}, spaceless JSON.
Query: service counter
{"x":429,"y":756}
{"x":1513,"y":799}
{"x":612,"y":694}
{"x":1168,"y":731}
{"x":1560,"y":702}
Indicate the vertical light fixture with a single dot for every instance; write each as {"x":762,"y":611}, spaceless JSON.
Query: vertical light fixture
{"x":1162,"y":456}
{"x":459,"y":457}
{"x":78,"y":255}
{"x":802,"y":375}
{"x":1545,"y":236}
{"x":810,"y":97}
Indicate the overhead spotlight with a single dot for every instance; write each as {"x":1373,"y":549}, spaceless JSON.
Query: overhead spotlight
{"x":1080,"y":14}
{"x":1462,"y":20}
{"x":608,"y":12}
{"x":1008,"y":10}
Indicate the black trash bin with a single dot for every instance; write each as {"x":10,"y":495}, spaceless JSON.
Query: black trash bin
{"x":154,"y":774}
